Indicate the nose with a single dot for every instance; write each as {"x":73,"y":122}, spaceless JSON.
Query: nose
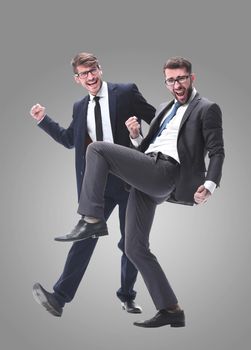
{"x":176,"y":82}
{"x":90,"y":78}
{"x":89,"y":73}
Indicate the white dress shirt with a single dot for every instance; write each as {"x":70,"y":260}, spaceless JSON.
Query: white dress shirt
{"x":105,"y":113}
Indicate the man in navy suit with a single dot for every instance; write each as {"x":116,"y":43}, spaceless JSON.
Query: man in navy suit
{"x":112,"y":105}
{"x":168,"y":166}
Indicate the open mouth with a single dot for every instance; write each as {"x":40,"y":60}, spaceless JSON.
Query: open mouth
{"x":180,"y":93}
{"x":92,"y":83}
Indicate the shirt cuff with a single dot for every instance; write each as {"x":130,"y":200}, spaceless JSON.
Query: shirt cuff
{"x":137,"y":141}
{"x":210,"y":186}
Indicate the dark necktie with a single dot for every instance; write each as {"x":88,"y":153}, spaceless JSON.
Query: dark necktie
{"x":168,"y":118}
{"x":98,"y":120}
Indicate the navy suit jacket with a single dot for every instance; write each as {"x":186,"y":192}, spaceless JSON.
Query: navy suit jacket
{"x":200,"y":134}
{"x":125,"y":100}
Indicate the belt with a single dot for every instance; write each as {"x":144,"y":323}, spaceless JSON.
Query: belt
{"x":159,"y":155}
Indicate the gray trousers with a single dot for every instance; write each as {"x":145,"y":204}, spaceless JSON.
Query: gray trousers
{"x":152,"y":182}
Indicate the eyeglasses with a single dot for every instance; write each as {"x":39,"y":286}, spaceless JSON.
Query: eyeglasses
{"x":84,"y":75}
{"x":181,"y":80}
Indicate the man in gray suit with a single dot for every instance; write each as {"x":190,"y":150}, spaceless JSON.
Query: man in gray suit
{"x":169,"y":167}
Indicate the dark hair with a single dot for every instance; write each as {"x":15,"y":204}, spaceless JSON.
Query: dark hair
{"x":85,"y":59}
{"x":178,"y":62}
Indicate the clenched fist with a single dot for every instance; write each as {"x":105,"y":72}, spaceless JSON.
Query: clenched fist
{"x":37,"y":112}
{"x":133,"y":127}
{"x":201,"y":195}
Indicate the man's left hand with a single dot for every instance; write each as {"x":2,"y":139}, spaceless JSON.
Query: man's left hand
{"x":133,"y":127}
{"x":201,"y":195}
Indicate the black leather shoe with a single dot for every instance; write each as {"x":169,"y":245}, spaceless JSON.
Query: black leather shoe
{"x":84,"y":230}
{"x":47,"y":300}
{"x":131,"y":307}
{"x":164,"y":318}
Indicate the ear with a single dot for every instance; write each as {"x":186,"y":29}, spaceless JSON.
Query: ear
{"x":192,"y":77}
{"x":76,"y":79}
{"x":100,"y":69}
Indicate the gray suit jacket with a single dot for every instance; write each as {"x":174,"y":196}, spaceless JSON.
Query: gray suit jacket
{"x":200,"y":134}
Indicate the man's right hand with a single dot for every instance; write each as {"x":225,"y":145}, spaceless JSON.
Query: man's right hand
{"x":133,"y":127}
{"x":37,"y":112}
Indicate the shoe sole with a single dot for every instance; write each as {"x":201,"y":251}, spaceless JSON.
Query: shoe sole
{"x":94,"y":235}
{"x":41,"y":299}
{"x":97,"y":235}
{"x":175,"y":325}
{"x":138,"y":311}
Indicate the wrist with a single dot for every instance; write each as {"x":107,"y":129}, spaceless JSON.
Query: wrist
{"x":134,"y":136}
{"x":40,"y":119}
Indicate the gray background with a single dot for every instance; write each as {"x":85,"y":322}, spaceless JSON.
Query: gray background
{"x":205,"y":251}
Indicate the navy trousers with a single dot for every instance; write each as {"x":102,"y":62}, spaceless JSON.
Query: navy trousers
{"x":80,"y":253}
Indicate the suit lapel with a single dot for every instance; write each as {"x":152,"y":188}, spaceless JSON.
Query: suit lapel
{"x":82,"y":122}
{"x":112,"y":97}
{"x":157,"y":120}
{"x":163,"y":111}
{"x":190,"y":109}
